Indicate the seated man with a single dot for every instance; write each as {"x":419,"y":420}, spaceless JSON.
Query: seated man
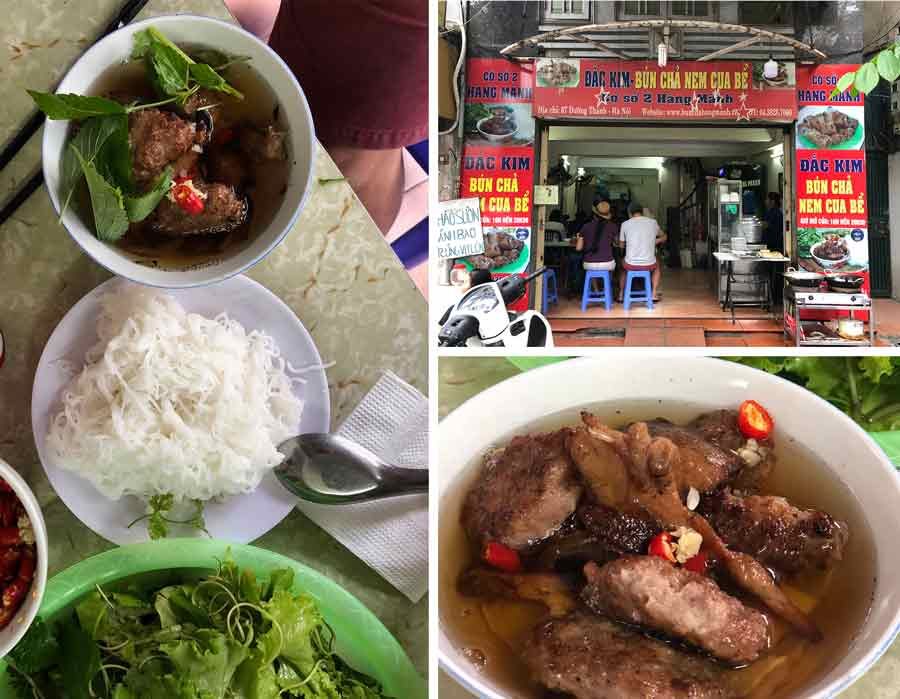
{"x":640,"y":236}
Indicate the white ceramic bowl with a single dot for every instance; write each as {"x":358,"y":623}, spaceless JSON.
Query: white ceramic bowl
{"x":492,"y":137}
{"x":14,"y":631}
{"x":212,"y":33}
{"x":844,"y":448}
{"x":824,"y":261}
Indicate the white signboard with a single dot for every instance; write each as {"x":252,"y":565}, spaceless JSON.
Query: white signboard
{"x":546,"y":194}
{"x":459,"y":229}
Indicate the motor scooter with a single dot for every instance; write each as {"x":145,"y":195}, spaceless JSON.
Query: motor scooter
{"x":481,"y":318}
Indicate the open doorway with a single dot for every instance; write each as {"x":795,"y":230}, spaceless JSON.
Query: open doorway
{"x":677,"y":173}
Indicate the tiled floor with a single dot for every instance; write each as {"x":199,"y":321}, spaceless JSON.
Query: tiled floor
{"x":686,"y":293}
{"x":687,"y":317}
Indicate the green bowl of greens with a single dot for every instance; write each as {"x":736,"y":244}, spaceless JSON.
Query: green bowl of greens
{"x":193,"y":618}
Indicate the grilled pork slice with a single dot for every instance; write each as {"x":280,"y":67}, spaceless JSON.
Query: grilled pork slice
{"x":594,"y":658}
{"x":701,"y":464}
{"x":523,"y":493}
{"x":621,"y":531}
{"x":776,"y":533}
{"x":651,"y":592}
{"x":720,"y":428}
{"x":223,"y":211}
{"x":157,"y":138}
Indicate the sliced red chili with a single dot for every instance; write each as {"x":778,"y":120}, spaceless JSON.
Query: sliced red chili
{"x":698,"y":563}
{"x":502,"y":557}
{"x":754,"y":420}
{"x":661,"y":546}
{"x":186,"y":197}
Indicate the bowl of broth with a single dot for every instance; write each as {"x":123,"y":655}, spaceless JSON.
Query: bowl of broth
{"x":268,"y":185}
{"x":823,"y":462}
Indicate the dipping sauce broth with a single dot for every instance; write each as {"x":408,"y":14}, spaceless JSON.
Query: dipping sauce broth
{"x":490,"y":633}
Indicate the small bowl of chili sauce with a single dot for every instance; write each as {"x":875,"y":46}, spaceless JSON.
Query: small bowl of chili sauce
{"x":23,"y":557}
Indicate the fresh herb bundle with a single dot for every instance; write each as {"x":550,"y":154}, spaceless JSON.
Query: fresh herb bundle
{"x":99,"y":152}
{"x":226,"y":635}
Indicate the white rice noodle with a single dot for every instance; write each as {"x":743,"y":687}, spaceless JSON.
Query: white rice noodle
{"x":170,"y":401}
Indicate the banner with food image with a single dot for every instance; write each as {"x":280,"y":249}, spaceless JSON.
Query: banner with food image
{"x":498,"y":164}
{"x":832,"y":214}
{"x":720,"y":90}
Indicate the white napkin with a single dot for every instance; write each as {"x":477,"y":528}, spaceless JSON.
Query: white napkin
{"x":391,"y":536}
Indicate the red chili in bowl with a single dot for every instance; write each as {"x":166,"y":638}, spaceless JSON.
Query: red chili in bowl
{"x":17,"y":554}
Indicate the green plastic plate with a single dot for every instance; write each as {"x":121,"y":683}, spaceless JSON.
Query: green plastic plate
{"x":362,"y":640}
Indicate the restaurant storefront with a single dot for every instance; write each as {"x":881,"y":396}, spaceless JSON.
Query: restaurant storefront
{"x":700,"y":143}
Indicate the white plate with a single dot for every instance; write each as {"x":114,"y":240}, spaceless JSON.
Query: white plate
{"x":848,"y":453}
{"x":240,"y":518}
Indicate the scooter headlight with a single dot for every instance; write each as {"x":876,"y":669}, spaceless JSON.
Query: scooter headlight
{"x":481,"y":299}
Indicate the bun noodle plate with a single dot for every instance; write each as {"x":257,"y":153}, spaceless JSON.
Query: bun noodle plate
{"x":174,"y":402}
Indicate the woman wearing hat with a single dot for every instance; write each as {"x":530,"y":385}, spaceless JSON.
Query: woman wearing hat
{"x":596,"y":238}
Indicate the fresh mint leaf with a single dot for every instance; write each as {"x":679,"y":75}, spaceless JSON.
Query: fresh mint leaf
{"x":140,"y":43}
{"x":114,"y":159}
{"x":169,"y":66}
{"x":110,"y":219}
{"x":160,"y":39}
{"x":140,"y":207}
{"x":74,"y":106}
{"x":90,"y":138}
{"x":206,"y":77}
{"x":170,"y":70}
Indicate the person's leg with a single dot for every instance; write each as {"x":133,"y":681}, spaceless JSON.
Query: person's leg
{"x":622,"y":275}
{"x":657,"y":276}
{"x":376,"y":176}
{"x":256,"y":16}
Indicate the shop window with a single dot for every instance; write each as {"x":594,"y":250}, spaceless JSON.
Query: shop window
{"x":642,"y":9}
{"x":771,"y":13}
{"x":567,"y":9}
{"x":690,"y":9}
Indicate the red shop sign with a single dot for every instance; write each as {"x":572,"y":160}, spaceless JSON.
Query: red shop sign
{"x":724,"y":90}
{"x":502,"y":179}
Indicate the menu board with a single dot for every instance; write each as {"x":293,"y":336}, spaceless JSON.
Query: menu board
{"x":574,"y":88}
{"x":831,"y":174}
{"x":498,"y":163}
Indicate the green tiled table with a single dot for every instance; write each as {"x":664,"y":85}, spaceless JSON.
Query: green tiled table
{"x":334,"y":269}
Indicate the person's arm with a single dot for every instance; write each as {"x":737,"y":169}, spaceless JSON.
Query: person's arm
{"x":579,"y":243}
{"x":661,"y":236}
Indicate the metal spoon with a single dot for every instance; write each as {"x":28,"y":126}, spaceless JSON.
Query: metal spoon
{"x":332,"y":470}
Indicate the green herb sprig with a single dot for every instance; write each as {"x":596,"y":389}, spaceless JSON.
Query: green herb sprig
{"x":158,"y":522}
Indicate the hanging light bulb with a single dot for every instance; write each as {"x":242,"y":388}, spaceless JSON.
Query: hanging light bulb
{"x":662,"y":54}
{"x":770,"y":68}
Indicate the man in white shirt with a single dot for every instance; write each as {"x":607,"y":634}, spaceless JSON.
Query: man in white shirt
{"x":640,"y":235}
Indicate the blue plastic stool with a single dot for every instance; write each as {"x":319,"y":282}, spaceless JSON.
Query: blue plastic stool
{"x":638,"y":296}
{"x":550,"y":295}
{"x":604,"y":296}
